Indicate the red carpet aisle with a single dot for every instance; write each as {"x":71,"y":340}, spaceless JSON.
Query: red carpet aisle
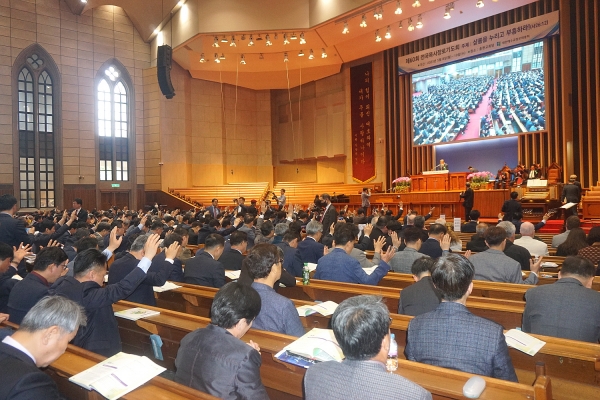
{"x":472,"y":130}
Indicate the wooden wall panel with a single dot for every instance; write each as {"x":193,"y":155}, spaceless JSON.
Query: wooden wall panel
{"x":87,"y":193}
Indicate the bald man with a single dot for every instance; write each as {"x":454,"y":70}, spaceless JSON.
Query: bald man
{"x":535,"y":247}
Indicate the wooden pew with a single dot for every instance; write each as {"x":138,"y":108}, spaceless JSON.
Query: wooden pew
{"x":76,"y":359}
{"x":284,"y":381}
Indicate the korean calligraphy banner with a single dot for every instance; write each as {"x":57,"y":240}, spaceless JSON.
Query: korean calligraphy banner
{"x":509,"y":36}
{"x":363,"y":139}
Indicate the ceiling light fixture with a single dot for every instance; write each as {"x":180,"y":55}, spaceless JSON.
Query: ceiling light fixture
{"x":447,"y":12}
{"x":398,"y":8}
{"x":302,"y":40}
{"x":311,"y":55}
{"x":224,"y":40}
{"x":222,"y":56}
{"x":417,"y":3}
{"x":232,"y":44}
{"x":268,"y":40}
{"x":243,"y":37}
{"x":84,"y":1}
{"x":301,"y":54}
{"x":216,"y":42}
{"x":420,"y":22}
{"x":293,"y":37}
{"x":345,"y":30}
{"x":400,"y":25}
{"x":217,"y":58}
{"x":243,"y":60}
{"x":285,"y":57}
{"x":251,"y":42}
{"x":323,"y":53}
{"x":260,"y":56}
{"x":376,"y":14}
{"x":388,"y":33}
{"x":479,"y":4}
{"x":380,"y":13}
{"x":377,"y":37}
{"x":410,"y":25}
{"x":363,"y":23}
{"x":202,"y":59}
{"x":285,"y":39}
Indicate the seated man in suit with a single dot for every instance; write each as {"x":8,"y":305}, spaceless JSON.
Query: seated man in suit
{"x":403,"y":260}
{"x":471,"y":226}
{"x":361,"y":326}
{"x":477,"y":242}
{"x":289,"y":245}
{"x":422,"y":296}
{"x":511,"y":206}
{"x":339,"y":266}
{"x":42,"y":338}
{"x":49,"y":265}
{"x":572,"y":222}
{"x":432,"y":338}
{"x":493,"y":265}
{"x":10,"y":260}
{"x":205,"y":269}
{"x":157,"y":276}
{"x":12,"y":230}
{"x":514,"y":251}
{"x":232,"y":258}
{"x":310,"y":249}
{"x":568,"y":308}
{"x":86,"y":288}
{"x":277,"y":313}
{"x":435,"y":246}
{"x":214,"y":359}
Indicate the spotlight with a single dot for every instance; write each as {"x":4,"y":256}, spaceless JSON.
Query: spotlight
{"x":400,"y":25}
{"x":224,"y":40}
{"x":302,"y":40}
{"x":377,"y":37}
{"x":363,"y":23}
{"x":410,"y":25}
{"x":84,"y":1}
{"x":479,"y":4}
{"x":260,"y":56}
{"x":232,"y":44}
{"x":217,"y":58}
{"x":323,"y":53}
{"x":417,"y":3}
{"x":398,"y":8}
{"x":419,"y":22}
{"x":311,"y":55}
{"x":293,"y":37}
{"x":447,"y":12}
{"x":345,"y":30}
{"x":285,"y":39}
{"x":222,"y":56}
{"x":243,"y":60}
{"x":243,"y":37}
{"x":388,"y":33}
{"x":216,"y":42}
{"x":251,"y":42}
{"x":301,"y":54}
{"x":380,"y":15}
{"x":376,"y":14}
{"x":285,"y":57}
{"x":202,"y":59}
{"x":268,"y":40}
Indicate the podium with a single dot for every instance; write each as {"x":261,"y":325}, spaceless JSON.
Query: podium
{"x":430,"y":181}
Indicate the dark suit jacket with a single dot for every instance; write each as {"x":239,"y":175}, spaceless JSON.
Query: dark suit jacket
{"x":144,"y":293}
{"x":509,"y":208}
{"x":213,"y":210}
{"x":432,"y":248}
{"x":468,"y":196}
{"x":24,"y":295}
{"x":101,"y":335}
{"x":12,"y":231}
{"x":518,"y":253}
{"x":82,"y":215}
{"x":214,"y":361}
{"x":309,"y":250}
{"x":469,"y":227}
{"x":432,"y":339}
{"x":232,"y":259}
{"x":176,"y":274}
{"x":286,"y":278}
{"x":291,"y":263}
{"x":204,"y":270}
{"x":571,"y":193}
{"x":20,"y":378}
{"x":329,"y":218}
{"x":477,"y":243}
{"x":565,"y":309}
{"x":419,"y":298}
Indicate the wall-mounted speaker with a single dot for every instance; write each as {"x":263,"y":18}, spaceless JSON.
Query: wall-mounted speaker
{"x":163,"y":70}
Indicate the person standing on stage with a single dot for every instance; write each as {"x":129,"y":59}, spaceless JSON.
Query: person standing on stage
{"x":571,"y":194}
{"x":442,"y":166}
{"x":365,"y":199}
{"x":468,"y":195}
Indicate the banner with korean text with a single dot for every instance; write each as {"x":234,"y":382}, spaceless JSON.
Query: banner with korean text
{"x":363,"y":138}
{"x":492,"y":41}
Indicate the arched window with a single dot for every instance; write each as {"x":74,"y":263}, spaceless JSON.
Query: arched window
{"x":113,"y":125}
{"x":36,"y":132}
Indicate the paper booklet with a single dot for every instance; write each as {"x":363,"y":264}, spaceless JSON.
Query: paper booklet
{"x":312,"y":267}
{"x":233,"y":274}
{"x":315,"y":346}
{"x":136,"y":313}
{"x":568,"y":205}
{"x":370,"y":270}
{"x":118,"y":375}
{"x":325,"y":309}
{"x":166,"y":287}
{"x":523,"y":342}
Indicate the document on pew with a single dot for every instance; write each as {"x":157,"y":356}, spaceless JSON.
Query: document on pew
{"x":316,"y":346}
{"x":325,"y":309}
{"x":523,"y":342}
{"x":568,"y":205}
{"x":311,"y":267}
{"x":134,"y":314}
{"x":166,"y":287}
{"x":118,"y":375}
{"x":370,"y":270}
{"x":233,"y":274}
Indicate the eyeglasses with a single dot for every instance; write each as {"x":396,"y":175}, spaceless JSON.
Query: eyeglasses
{"x":63,"y":266}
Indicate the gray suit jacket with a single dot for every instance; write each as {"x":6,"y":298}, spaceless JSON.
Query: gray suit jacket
{"x":559,"y":239}
{"x":494,"y":265}
{"x":452,"y":337}
{"x":363,"y":260}
{"x":419,"y":298}
{"x":403,"y":260}
{"x":565,"y":309}
{"x":352,"y":379}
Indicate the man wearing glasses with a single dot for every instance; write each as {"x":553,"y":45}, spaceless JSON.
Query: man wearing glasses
{"x":50,"y":264}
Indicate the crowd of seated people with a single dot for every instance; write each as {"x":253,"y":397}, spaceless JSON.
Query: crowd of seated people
{"x":441,"y":113}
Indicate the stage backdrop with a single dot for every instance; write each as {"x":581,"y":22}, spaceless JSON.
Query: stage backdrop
{"x":363,"y":138}
{"x":484,"y":155}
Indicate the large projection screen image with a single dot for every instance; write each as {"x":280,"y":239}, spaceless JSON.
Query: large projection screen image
{"x":492,"y":96}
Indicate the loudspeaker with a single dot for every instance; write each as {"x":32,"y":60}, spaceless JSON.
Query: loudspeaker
{"x":163,"y":70}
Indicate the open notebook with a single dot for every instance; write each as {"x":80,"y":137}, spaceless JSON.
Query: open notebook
{"x":315,"y":346}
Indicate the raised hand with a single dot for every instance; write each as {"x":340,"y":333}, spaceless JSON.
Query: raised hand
{"x":113,"y":241}
{"x":387,"y":256}
{"x":379,"y":243}
{"x":535,"y":266}
{"x":151,"y":246}
{"x":396,"y":241}
{"x":467,"y":254}
{"x":21,"y":252}
{"x":172,"y":251}
{"x":368,"y":229}
{"x":445,"y":242}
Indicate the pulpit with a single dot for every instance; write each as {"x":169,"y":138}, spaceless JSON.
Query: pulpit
{"x":436,"y":180}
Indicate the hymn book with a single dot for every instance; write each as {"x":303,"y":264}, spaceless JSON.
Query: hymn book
{"x":134,"y":314}
{"x":166,"y":287}
{"x":118,"y":375}
{"x":325,"y":309}
{"x":318,"y":345}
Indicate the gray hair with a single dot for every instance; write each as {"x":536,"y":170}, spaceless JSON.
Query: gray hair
{"x":482,"y":227}
{"x":139,"y":243}
{"x":313,"y":227}
{"x":54,"y":311}
{"x":281,"y":229}
{"x":509,"y":227}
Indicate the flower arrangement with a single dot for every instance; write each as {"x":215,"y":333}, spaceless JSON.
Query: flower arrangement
{"x":479,"y":179}
{"x":401,"y":184}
